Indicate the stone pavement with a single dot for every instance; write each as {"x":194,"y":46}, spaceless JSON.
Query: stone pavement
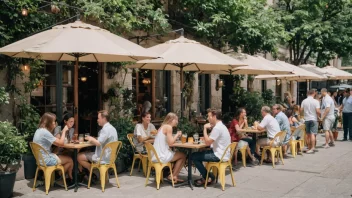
{"x":327,"y":173}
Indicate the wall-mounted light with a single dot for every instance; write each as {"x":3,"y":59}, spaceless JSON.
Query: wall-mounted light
{"x":24,"y":12}
{"x":146,"y":81}
{"x":278,"y":82}
{"x":219,"y":84}
{"x":83,"y":79}
{"x":25,"y":67}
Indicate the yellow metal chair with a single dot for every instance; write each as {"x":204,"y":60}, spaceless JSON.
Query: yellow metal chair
{"x":114,"y":148}
{"x":293,"y":143}
{"x":221,"y":166}
{"x":142,"y":158}
{"x":158,"y":166}
{"x":243,"y":151}
{"x":49,"y":171}
{"x":274,"y":149}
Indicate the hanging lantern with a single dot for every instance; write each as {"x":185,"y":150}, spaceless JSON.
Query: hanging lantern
{"x":24,"y":12}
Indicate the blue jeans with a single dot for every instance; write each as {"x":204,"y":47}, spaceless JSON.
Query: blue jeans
{"x":205,"y":156}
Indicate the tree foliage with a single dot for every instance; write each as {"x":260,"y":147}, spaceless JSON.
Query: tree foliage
{"x":318,"y":29}
{"x":247,"y":24}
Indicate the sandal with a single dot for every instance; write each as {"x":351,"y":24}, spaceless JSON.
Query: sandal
{"x":201,"y":182}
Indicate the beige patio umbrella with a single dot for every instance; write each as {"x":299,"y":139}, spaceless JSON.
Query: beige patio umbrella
{"x":317,"y":70}
{"x":298,"y":74}
{"x":256,"y":66}
{"x":183,"y":54}
{"x":338,"y":73}
{"x":77,"y":41}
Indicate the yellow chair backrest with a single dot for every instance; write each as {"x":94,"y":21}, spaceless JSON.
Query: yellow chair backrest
{"x":151,"y":150}
{"x":114,"y":148}
{"x":280,"y":135}
{"x":36,"y":148}
{"x":130,"y":138}
{"x":230,"y":148}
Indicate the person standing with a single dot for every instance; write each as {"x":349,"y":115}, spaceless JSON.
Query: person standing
{"x":219,"y":139}
{"x":327,"y":117}
{"x":284,"y":124}
{"x":310,"y":108}
{"x":346,"y":108}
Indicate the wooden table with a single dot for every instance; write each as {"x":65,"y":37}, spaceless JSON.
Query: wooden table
{"x":253,"y":131}
{"x":75,"y":148}
{"x":189,"y":147}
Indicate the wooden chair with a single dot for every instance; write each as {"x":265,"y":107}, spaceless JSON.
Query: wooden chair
{"x":49,"y":171}
{"x":158,"y":166}
{"x":274,"y":149}
{"x":221,"y":166}
{"x":293,"y":143}
{"x":114,"y":148}
{"x":137,"y":155}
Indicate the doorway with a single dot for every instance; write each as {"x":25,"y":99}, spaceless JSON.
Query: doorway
{"x":89,"y":89}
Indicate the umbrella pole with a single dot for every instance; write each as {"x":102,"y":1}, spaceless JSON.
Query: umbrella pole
{"x":181,"y":88}
{"x":75,"y":102}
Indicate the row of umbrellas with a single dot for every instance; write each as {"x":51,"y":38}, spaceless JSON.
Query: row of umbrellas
{"x":81,"y":42}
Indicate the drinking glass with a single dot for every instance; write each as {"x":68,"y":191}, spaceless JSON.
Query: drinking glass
{"x":74,"y":137}
{"x":196,"y":137}
{"x":81,"y":138}
{"x":86,"y":135}
{"x":184,"y":138}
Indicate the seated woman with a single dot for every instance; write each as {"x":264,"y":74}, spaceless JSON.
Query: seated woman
{"x":68,"y":121}
{"x":296,"y":134}
{"x":296,"y":112}
{"x":143,"y":132}
{"x":240,"y":122}
{"x":45,"y":138}
{"x":163,"y":140}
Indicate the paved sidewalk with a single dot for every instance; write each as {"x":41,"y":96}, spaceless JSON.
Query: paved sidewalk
{"x":327,"y":173}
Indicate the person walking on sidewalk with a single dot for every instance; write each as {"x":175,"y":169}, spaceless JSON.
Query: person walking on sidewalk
{"x":346,"y":108}
{"x":327,"y":117}
{"x":310,"y":108}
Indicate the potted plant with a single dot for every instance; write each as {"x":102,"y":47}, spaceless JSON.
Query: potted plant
{"x":187,"y":127}
{"x":123,"y":125}
{"x":12,"y":145}
{"x":28,"y":124}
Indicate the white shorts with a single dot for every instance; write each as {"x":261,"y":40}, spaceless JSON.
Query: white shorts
{"x":241,"y":144}
{"x":328,"y":123}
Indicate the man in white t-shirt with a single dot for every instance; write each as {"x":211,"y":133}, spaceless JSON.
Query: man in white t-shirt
{"x":219,"y":139}
{"x":311,"y":110}
{"x":270,"y":125}
{"x":327,"y":117}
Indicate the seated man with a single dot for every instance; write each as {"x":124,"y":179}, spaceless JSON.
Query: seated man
{"x":106,"y":135}
{"x":219,"y":139}
{"x":268,"y":124}
{"x":284,"y":124}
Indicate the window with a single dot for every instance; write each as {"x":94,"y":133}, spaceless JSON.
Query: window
{"x":44,"y":97}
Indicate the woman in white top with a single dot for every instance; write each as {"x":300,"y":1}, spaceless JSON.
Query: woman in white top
{"x":163,"y":140}
{"x":143,"y":132}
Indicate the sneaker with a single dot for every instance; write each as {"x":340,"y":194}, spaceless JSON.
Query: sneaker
{"x":331,"y":144}
{"x":310,"y":152}
{"x":344,"y":139}
{"x":326,"y":146}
